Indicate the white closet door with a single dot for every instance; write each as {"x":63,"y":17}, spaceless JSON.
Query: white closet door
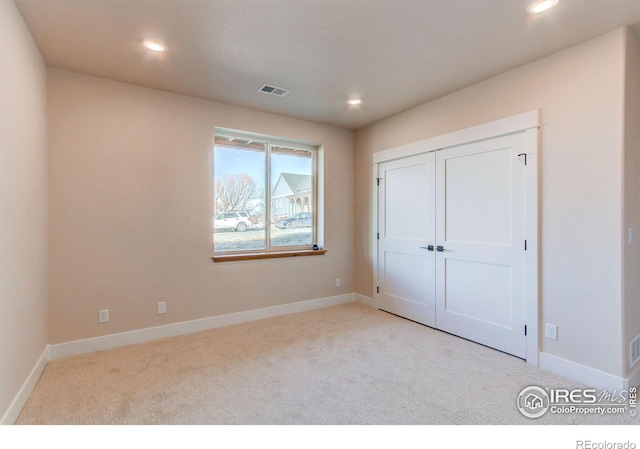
{"x":407,"y":227}
{"x":480,"y":233}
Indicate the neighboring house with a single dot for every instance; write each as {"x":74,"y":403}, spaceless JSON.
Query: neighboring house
{"x":292,"y":193}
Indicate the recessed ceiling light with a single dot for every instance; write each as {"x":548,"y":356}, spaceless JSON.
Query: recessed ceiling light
{"x":541,"y":6}
{"x":354,"y":101}
{"x":155,"y":46}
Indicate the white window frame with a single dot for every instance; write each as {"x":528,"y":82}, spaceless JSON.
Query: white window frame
{"x":317,"y":197}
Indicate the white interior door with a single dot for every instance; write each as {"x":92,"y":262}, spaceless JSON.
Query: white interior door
{"x":480,"y":233}
{"x":406,"y":276}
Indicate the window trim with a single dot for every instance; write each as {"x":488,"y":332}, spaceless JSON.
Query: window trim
{"x":267,"y":255}
{"x":317,"y":202}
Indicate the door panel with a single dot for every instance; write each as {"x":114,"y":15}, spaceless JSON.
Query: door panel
{"x":482,"y":201}
{"x":407,"y":225}
{"x":480,"y":275}
{"x":400,"y":270}
{"x":489,"y":285}
{"x":406,"y":214}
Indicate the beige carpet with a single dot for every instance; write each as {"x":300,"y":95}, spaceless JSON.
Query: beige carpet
{"x":342,"y":365}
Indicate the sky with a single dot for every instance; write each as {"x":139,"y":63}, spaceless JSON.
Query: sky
{"x":230,"y":160}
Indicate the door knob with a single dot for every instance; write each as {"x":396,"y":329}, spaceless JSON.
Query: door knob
{"x":440,"y":248}
{"x":428,"y":248}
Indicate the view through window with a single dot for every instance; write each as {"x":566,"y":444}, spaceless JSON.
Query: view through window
{"x":264,"y":194}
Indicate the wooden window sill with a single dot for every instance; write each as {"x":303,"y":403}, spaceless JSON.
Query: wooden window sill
{"x":268,"y":255}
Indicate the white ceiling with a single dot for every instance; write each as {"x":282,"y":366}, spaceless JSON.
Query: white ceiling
{"x":396,"y":54}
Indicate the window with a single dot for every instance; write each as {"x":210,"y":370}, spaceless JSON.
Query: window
{"x":265,"y":195}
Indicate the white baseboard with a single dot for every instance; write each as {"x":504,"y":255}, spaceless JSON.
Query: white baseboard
{"x":365,"y":300}
{"x":12,"y":413}
{"x":89,"y":345}
{"x":584,"y":374}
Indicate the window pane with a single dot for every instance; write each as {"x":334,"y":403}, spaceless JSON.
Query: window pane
{"x":291,"y":197}
{"x":239,"y":189}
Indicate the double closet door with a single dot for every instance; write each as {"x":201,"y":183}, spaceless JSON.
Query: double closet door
{"x":451,"y":246}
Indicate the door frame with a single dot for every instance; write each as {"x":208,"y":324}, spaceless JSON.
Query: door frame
{"x":527,"y":123}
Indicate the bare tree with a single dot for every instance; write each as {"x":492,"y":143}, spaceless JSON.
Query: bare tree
{"x":237,"y":191}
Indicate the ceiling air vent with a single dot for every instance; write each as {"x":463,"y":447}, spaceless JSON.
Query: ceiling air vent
{"x":273,"y":90}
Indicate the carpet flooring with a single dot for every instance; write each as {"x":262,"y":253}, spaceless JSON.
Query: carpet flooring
{"x":348,"y":364}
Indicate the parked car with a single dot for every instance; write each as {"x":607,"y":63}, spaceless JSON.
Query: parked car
{"x":234,"y":221}
{"x":301,"y":220}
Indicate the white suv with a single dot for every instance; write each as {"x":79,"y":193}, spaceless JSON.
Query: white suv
{"x":236,"y":221}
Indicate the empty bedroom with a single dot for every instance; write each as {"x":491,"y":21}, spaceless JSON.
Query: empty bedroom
{"x":309,"y":214}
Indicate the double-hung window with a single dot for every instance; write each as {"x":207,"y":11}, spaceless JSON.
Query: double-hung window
{"x":265,"y":195}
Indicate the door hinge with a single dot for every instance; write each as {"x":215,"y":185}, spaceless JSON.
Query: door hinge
{"x":525,"y":330}
{"x":378,"y":289}
{"x":525,"y":245}
{"x":378,"y":180}
{"x":378,"y":236}
{"x":525,"y":157}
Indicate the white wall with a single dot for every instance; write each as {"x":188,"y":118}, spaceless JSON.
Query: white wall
{"x":131,"y":205}
{"x":23,"y":204}
{"x":579,"y":92}
{"x":631,"y":310}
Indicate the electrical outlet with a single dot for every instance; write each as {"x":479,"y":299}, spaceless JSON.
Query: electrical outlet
{"x":338,"y":282}
{"x":162,"y":307}
{"x":551,"y":331}
{"x":103,"y":316}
